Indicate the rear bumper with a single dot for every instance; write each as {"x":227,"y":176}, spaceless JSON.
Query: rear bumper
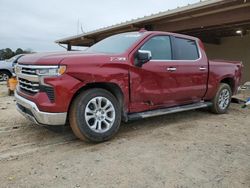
{"x":30,"y":110}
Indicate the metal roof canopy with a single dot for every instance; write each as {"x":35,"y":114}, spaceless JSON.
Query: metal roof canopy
{"x":209,"y":20}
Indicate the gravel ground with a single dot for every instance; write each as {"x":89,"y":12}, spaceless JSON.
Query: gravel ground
{"x":184,"y":150}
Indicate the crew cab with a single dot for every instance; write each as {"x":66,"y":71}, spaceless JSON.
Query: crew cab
{"x":123,"y":77}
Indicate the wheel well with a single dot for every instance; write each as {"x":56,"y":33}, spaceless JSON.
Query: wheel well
{"x":112,"y":88}
{"x":230,"y":82}
{"x":6,"y":70}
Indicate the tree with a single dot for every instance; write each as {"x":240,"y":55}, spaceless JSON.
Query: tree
{"x":19,"y":51}
{"x":7,"y":53}
{"x":1,"y":54}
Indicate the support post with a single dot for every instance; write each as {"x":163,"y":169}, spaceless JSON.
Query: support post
{"x":69,"y":47}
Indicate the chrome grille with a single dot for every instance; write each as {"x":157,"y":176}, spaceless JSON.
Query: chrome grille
{"x":26,"y":70}
{"x":28,"y":79}
{"x":28,"y":86}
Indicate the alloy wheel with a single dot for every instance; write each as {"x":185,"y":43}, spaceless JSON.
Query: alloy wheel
{"x":100,"y":114}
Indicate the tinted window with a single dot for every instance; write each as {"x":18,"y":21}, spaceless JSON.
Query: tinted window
{"x":185,"y":49}
{"x":116,"y":44}
{"x":160,"y":47}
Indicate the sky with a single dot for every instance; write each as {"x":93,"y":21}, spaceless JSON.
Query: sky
{"x":36,"y":24}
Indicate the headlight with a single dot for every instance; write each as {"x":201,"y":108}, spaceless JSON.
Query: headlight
{"x":53,"y":71}
{"x":18,"y":69}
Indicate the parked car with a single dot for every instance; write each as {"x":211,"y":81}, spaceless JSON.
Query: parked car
{"x":124,"y":77}
{"x":7,"y":67}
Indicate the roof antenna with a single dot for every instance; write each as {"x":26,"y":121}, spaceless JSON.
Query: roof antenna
{"x":77,"y":26}
{"x":82,"y":29}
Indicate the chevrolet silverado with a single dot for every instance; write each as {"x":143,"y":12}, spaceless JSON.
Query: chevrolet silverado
{"x":123,"y":77}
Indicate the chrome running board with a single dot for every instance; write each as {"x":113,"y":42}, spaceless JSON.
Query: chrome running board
{"x":170,"y":110}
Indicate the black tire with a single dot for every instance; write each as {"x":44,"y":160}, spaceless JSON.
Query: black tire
{"x":216,"y":108}
{"x":78,"y":120}
{"x":4,"y":72}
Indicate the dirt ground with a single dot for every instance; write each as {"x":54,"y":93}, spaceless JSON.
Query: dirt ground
{"x":184,"y":150}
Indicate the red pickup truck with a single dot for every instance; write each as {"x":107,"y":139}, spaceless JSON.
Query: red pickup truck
{"x":123,"y":77}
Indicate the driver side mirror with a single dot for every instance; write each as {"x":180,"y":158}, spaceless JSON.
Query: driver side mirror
{"x":142,"y":57}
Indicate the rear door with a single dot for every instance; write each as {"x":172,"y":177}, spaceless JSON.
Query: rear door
{"x":192,"y":72}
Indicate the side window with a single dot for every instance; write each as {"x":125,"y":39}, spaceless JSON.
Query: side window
{"x":160,"y":47}
{"x":185,"y":49}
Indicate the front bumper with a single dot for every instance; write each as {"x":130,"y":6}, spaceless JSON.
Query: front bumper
{"x":30,"y":110}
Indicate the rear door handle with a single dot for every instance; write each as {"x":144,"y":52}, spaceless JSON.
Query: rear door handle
{"x":171,"y":69}
{"x":203,"y":68}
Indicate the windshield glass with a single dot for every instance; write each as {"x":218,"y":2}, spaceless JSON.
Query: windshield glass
{"x":13,"y":58}
{"x":116,"y":44}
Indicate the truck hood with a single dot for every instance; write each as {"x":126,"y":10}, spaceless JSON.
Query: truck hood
{"x":56,"y":58}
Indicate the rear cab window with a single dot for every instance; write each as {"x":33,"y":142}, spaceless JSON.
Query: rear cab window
{"x":185,"y":49}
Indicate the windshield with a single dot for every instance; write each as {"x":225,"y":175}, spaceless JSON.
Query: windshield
{"x":116,"y":44}
{"x":13,"y":58}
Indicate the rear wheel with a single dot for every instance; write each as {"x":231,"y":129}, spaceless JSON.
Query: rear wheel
{"x":95,"y":115}
{"x":222,"y":99}
{"x":4,"y":75}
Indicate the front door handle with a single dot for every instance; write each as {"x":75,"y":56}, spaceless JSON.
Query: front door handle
{"x":203,"y":68}
{"x":171,"y":69}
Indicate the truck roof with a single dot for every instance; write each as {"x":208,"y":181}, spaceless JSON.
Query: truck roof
{"x":168,"y":33}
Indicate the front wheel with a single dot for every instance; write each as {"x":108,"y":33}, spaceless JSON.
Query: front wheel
{"x":4,"y":75}
{"x":95,"y":115}
{"x":222,"y":99}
